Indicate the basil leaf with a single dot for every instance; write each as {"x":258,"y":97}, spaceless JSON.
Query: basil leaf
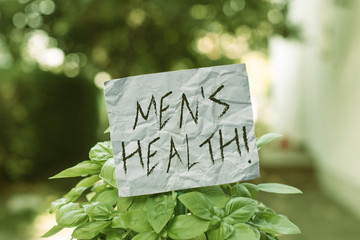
{"x":222,"y":232}
{"x":136,"y":220}
{"x":70,"y":215}
{"x":215,"y":195}
{"x":123,"y":203}
{"x":98,"y":211}
{"x":265,"y":139}
{"x":108,"y":172}
{"x":256,"y":232}
{"x":274,"y":223}
{"x":240,"y":209}
{"x":89,"y":230}
{"x":107,"y":130}
{"x":108,"y":197}
{"x":159,"y":210}
{"x":113,"y":234}
{"x":253,"y":189}
{"x":278,"y":188}
{"x":186,"y":226}
{"x":198,"y":204}
{"x":84,"y":184}
{"x":151,"y":235}
{"x":81,"y":169}
{"x":58,"y":203}
{"x":139,"y":202}
{"x":200,"y":237}
{"x":240,"y":190}
{"x":118,"y":222}
{"x":99,"y":186}
{"x":74,"y":194}
{"x":54,"y":230}
{"x":88,"y":182}
{"x":248,"y":190}
{"x":102,"y":151}
{"x":242,"y":232}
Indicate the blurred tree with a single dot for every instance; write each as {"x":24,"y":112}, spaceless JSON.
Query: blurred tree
{"x":52,"y":51}
{"x":48,"y":123}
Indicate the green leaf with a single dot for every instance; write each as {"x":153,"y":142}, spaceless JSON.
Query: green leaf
{"x":123,"y":203}
{"x":113,"y":234}
{"x":151,"y":235}
{"x":242,"y":232}
{"x":200,"y":237}
{"x":136,"y":220}
{"x":74,"y":193}
{"x":70,"y":215}
{"x":240,"y":209}
{"x":108,"y":197}
{"x":108,"y":172}
{"x":102,"y":151}
{"x":98,"y":211}
{"x":89,"y":230}
{"x":218,"y":212}
{"x":100,"y":186}
{"x":139,"y":202}
{"x":256,"y":232}
{"x":222,"y":232}
{"x":248,"y":190}
{"x":278,"y":188}
{"x":159,"y":210}
{"x":186,"y":226}
{"x":267,"y":138}
{"x":90,"y":196}
{"x":198,"y":204}
{"x":214,"y":222}
{"x":58,"y":203}
{"x":88,"y":182}
{"x":54,"y":230}
{"x":240,"y":190}
{"x":107,"y":130}
{"x":273,"y":223}
{"x":81,"y":169}
{"x":84,"y":184}
{"x":215,"y":195}
{"x":253,"y":189}
{"x":118,"y":222}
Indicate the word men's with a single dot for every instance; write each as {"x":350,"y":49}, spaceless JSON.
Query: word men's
{"x":181,"y":129}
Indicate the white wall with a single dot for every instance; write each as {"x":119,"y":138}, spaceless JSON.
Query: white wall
{"x":317,"y":92}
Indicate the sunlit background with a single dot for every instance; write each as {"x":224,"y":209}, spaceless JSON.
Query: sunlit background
{"x":302,"y":58}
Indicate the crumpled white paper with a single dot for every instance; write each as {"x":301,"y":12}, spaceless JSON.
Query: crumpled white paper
{"x":200,"y":111}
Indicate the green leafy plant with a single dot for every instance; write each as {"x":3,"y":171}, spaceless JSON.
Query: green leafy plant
{"x":215,"y":213}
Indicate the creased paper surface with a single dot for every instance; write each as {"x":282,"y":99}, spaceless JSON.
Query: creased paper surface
{"x":182,"y":129}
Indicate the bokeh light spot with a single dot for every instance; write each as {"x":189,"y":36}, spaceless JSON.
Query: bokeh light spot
{"x":35,"y":20}
{"x":32,"y":8}
{"x":200,"y":11}
{"x":275,"y":16}
{"x":53,"y":57}
{"x":100,"y":78}
{"x":136,"y":17}
{"x":47,"y":7}
{"x":20,"y":20}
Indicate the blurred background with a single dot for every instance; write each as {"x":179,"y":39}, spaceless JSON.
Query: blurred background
{"x":302,"y":58}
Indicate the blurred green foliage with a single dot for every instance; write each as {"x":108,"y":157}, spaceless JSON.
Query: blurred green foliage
{"x":51,"y":51}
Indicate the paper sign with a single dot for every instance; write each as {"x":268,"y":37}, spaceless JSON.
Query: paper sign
{"x":182,"y":129}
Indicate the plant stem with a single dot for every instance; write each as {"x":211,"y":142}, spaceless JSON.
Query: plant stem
{"x":180,"y":208}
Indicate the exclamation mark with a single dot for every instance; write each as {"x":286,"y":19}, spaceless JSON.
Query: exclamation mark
{"x":246,"y":141}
